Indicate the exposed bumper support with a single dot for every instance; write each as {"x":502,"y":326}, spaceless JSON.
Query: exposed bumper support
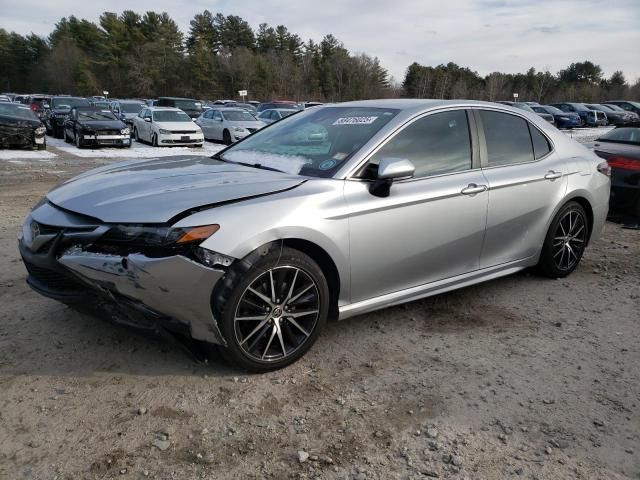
{"x":174,"y":287}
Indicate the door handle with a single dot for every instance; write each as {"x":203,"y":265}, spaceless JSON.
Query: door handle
{"x":472,"y":189}
{"x":551,"y":175}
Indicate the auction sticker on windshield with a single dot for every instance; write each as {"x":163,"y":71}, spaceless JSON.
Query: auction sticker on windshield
{"x":355,"y":121}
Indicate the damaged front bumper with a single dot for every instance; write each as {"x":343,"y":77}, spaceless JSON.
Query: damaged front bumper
{"x":172,"y":292}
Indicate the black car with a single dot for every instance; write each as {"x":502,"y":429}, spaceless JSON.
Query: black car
{"x":95,"y":126}
{"x":20,"y":127}
{"x":625,"y":105}
{"x":614,"y":117}
{"x":620,"y":147}
{"x":60,"y":108}
{"x":191,"y":107}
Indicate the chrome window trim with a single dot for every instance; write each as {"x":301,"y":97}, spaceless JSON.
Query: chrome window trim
{"x":473,"y":139}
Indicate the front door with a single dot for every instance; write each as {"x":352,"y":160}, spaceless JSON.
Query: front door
{"x":431,"y":226}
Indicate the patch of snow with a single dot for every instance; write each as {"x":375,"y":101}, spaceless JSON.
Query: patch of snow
{"x":41,"y":155}
{"x":284,"y":163}
{"x":137,"y":150}
{"x":585,"y":135}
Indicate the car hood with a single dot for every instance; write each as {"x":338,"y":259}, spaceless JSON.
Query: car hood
{"x":177,"y":125}
{"x":102,"y":124}
{"x":8,"y":121}
{"x":244,"y":124}
{"x":157,"y":190}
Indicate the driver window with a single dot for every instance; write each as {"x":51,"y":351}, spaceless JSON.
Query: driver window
{"x":435,"y":144}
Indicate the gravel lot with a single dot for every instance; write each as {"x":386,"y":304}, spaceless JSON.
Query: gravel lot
{"x":521,"y":377}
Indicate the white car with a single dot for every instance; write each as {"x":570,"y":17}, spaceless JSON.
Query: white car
{"x":275,"y":114}
{"x":228,"y":124}
{"x":163,"y":127}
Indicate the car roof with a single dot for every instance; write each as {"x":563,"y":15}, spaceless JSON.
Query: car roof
{"x":178,"y":98}
{"x":166,"y":109}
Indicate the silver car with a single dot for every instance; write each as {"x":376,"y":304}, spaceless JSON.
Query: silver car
{"x":275,"y":114}
{"x":228,"y":124}
{"x":333,"y":212}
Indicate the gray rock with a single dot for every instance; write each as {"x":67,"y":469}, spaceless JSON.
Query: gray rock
{"x":161,"y":444}
{"x":302,"y":456}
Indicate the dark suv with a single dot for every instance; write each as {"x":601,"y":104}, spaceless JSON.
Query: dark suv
{"x":60,"y":108}
{"x":191,"y":107}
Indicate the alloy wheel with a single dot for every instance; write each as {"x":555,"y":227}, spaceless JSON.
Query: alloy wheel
{"x":277,"y":313}
{"x":569,"y":240}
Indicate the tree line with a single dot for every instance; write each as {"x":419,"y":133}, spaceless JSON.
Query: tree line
{"x":145,"y":56}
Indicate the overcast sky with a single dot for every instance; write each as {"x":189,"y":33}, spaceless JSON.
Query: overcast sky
{"x":484,"y":35}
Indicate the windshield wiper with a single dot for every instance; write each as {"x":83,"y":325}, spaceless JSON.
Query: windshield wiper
{"x":259,"y":165}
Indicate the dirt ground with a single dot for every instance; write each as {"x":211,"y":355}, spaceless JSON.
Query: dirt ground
{"x":521,"y":377}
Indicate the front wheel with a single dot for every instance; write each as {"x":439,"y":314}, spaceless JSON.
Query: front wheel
{"x":79,"y":142}
{"x":272,"y":313}
{"x":154,"y":140}
{"x":42,"y":146}
{"x":135,"y":135}
{"x":565,"y":241}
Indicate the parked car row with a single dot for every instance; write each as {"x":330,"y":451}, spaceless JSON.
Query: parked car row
{"x":573,"y":114}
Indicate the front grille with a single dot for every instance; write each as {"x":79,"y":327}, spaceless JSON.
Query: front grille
{"x":107,"y":132}
{"x":53,"y":280}
{"x":184,"y":132}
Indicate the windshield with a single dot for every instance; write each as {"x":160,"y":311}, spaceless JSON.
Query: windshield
{"x":579,"y":107}
{"x":315,"y":143}
{"x":171,"y":116}
{"x":238,"y":116}
{"x":17,"y":110}
{"x":188,"y":104}
{"x":96,"y":115}
{"x":554,"y":110}
{"x":131,"y":107}
{"x":623,"y":135}
{"x":596,"y":107}
{"x":68,"y":102}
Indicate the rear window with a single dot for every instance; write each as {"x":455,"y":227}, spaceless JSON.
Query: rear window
{"x":238,"y":116}
{"x":541,"y":145}
{"x":507,"y":137}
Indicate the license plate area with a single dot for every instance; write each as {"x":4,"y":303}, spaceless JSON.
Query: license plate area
{"x":185,"y":138}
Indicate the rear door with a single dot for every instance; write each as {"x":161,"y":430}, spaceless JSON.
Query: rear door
{"x":526,"y":180}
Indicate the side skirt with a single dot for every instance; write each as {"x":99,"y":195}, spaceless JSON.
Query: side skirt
{"x":434,"y":288}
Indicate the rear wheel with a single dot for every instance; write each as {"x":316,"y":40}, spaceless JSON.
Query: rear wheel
{"x":565,"y":242}
{"x":272,"y":312}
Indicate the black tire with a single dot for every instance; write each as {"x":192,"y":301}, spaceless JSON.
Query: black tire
{"x":229,"y":301}
{"x":226,"y":137}
{"x":135,"y":135}
{"x":569,"y":227}
{"x":57,"y":132}
{"x":154,"y":140}
{"x":66,"y":137}
{"x":42,"y":146}
{"x":78,"y":141}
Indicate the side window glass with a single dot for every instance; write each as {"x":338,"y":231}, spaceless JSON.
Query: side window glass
{"x":540,"y":143}
{"x":435,"y":144}
{"x":508,"y":139}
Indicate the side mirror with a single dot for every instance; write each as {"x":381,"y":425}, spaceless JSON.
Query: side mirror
{"x":390,"y":169}
{"x":147,"y":119}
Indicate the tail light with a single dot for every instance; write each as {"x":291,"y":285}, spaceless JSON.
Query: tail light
{"x":626,"y":163}
{"x":604,"y":168}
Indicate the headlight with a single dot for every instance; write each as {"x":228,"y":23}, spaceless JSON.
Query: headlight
{"x":40,"y":131}
{"x":162,"y":131}
{"x":147,"y":236}
{"x":125,"y":131}
{"x":238,"y":129}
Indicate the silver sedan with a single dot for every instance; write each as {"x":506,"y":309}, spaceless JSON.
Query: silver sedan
{"x":333,"y":212}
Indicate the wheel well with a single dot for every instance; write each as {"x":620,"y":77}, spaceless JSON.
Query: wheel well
{"x":326,"y":264}
{"x":584,"y":203}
